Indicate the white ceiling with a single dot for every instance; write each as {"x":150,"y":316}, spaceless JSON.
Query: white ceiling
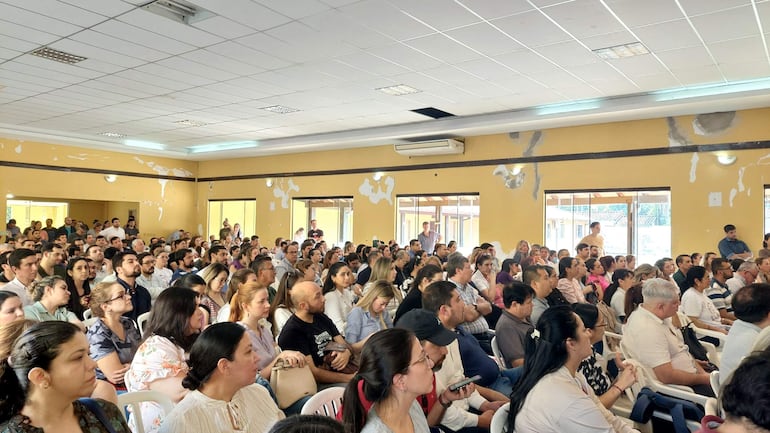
{"x":493,"y":63}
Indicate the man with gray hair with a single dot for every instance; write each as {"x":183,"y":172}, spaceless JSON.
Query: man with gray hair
{"x":459,"y":272}
{"x":657,"y":344}
{"x":746,"y":274}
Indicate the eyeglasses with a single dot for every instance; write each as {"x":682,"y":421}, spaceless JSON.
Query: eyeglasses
{"x":124,"y":295}
{"x":423,"y":358}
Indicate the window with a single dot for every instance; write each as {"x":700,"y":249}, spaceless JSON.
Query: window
{"x":25,"y":211}
{"x":333,"y":215}
{"x":632,"y":222}
{"x":454,"y":217}
{"x":242,"y":212}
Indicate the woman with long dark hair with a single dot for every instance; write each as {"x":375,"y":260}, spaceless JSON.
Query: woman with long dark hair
{"x":389,"y":379}
{"x":159,"y":363}
{"x":78,"y":285}
{"x":46,"y":373}
{"x":222,"y":394}
{"x":552,"y":396}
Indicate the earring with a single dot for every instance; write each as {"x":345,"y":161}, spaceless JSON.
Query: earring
{"x":45,"y":385}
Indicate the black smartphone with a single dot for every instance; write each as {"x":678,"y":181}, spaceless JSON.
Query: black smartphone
{"x":455,"y":386}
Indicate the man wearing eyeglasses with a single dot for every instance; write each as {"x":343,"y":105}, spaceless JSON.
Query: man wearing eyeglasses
{"x":746,"y":274}
{"x":719,"y":292}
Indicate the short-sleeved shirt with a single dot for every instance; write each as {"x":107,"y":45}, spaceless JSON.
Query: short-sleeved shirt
{"x":102,"y":342}
{"x":315,"y":233}
{"x":654,"y":342}
{"x":308,"y":338}
{"x":697,"y":304}
{"x":720,"y":295}
{"x":740,"y":340}
{"x":87,"y":420}
{"x":428,"y":242}
{"x":728,"y":247}
{"x":361,"y":324}
{"x":38,"y":312}
{"x":262,"y":344}
{"x":511,"y":333}
{"x":538,"y":307}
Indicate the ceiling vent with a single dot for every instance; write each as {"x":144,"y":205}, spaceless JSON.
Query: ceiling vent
{"x":58,"y":56}
{"x":431,"y":148}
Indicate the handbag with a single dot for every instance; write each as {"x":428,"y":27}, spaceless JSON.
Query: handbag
{"x":333,"y":346}
{"x":693,"y":344}
{"x":291,"y":383}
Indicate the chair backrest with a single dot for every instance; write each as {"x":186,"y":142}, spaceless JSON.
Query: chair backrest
{"x":89,"y":321}
{"x":133,"y":400}
{"x":500,"y":419}
{"x":498,"y":354}
{"x":714,"y":380}
{"x":87,"y":314}
{"x":326,"y":402}
{"x":142,"y":321}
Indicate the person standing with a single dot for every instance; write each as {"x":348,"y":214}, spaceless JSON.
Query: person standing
{"x":428,"y":237}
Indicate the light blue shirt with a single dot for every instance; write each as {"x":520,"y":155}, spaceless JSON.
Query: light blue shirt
{"x":361,"y":324}
{"x":739,"y":342}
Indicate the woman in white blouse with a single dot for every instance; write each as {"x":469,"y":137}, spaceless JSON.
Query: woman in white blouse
{"x":339,"y":296}
{"x":223,"y":396}
{"x":696,"y":305}
{"x":552,"y":395}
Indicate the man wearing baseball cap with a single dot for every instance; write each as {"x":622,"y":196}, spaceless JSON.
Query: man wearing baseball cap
{"x":434,"y":338}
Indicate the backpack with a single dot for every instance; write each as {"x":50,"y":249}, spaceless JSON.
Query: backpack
{"x":648,"y":401}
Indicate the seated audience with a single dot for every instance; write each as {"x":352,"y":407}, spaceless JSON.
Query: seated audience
{"x":43,"y":379}
{"x":10,"y":307}
{"x":615,"y":295}
{"x":215,"y":275}
{"x":160,"y":362}
{"x":476,"y":307}
{"x":568,"y":281}
{"x":127,"y":268}
{"x":592,"y":369}
{"x":51,"y":297}
{"x":78,"y":285}
{"x":752,"y":308}
{"x":718,"y":292}
{"x":370,"y":314}
{"x":391,"y":378}
{"x":744,"y":399}
{"x":338,"y":294}
{"x":413,"y":299}
{"x":223,"y":396}
{"x":696,"y":305}
{"x":513,"y":326}
{"x":746,"y":274}
{"x":552,"y":395}
{"x":654,"y":341}
{"x":237,"y":280}
{"x":485,"y":280}
{"x":112,"y":339}
{"x":281,"y":308}
{"x":309,"y":331}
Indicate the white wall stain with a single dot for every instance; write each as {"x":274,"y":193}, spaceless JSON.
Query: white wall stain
{"x":79,"y":157}
{"x":741,"y":171}
{"x":367,"y":189}
{"x":740,"y":187}
{"x":693,"y":166}
{"x":163,"y":183}
{"x":200,"y":229}
{"x":272,"y":206}
{"x":17,"y":149}
{"x":160,"y":212}
{"x":279,"y":192}
{"x":733,"y":193}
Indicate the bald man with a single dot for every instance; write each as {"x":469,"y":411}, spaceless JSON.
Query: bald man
{"x":309,"y":330}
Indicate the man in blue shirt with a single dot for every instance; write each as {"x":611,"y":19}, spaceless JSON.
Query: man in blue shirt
{"x":733,"y":248}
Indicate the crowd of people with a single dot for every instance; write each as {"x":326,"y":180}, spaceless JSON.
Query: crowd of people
{"x":397,"y":327}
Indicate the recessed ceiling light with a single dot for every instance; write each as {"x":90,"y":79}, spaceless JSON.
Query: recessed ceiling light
{"x":9,"y":195}
{"x":214,"y":147}
{"x":112,"y":134}
{"x":56,"y":55}
{"x":621,"y":51}
{"x":145,"y":144}
{"x":398,"y":90}
{"x":178,"y":10}
{"x":188,"y":122}
{"x":280,"y":109}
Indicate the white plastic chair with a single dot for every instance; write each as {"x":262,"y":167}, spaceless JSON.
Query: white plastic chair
{"x":133,"y":400}
{"x":714,"y":380}
{"x":141,"y":321}
{"x":89,"y":321}
{"x":500,"y":419}
{"x":498,"y":354}
{"x":87,"y":314}
{"x":326,"y":402}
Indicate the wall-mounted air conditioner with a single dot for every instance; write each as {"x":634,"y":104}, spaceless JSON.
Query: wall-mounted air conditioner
{"x":430,"y":148}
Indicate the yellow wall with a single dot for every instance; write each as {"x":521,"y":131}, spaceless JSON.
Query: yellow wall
{"x":507,"y":215}
{"x":159,"y":212}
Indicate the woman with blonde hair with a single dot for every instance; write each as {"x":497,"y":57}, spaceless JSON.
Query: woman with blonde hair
{"x":645,"y":271}
{"x":237,"y":280}
{"x":369,"y":315}
{"x":215,"y":275}
{"x":385,"y":269}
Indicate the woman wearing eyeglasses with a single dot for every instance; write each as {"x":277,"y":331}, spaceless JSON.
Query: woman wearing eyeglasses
{"x":112,"y":339}
{"x":391,"y":378}
{"x":594,"y":372}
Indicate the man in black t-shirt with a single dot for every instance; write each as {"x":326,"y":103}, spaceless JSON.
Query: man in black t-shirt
{"x":315,"y":233}
{"x":309,"y":330}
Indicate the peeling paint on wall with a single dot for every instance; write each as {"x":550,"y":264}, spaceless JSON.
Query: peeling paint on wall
{"x":536,"y":186}
{"x":17,"y":149}
{"x":713,"y":123}
{"x":693,"y":166}
{"x":367,"y":189}
{"x":534,"y":141}
{"x":280,"y":193}
{"x":675,"y":136}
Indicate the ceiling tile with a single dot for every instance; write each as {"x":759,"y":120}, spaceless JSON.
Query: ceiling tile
{"x":95,"y":53}
{"x":143,"y":37}
{"x":746,"y":70}
{"x":58,"y":10}
{"x":485,"y":39}
{"x":442,"y":48}
{"x":683,"y":58}
{"x":369,"y":62}
{"x":635,"y":14}
{"x":656,"y":82}
{"x":187,"y":34}
{"x":244,"y":54}
{"x":405,"y":56}
{"x":731,"y":24}
{"x":568,"y":54}
{"x":492,"y":9}
{"x":639,"y":65}
{"x":35,"y":20}
{"x":207,"y":57}
{"x":295,"y":9}
{"x":6,"y":54}
{"x":381,"y":16}
{"x":58,"y":78}
{"x":183,"y":76}
{"x":32,"y":36}
{"x":526,"y":62}
{"x":342,"y":27}
{"x":107,"y":8}
{"x":668,"y":36}
{"x":697,"y":7}
{"x":452,"y":14}
{"x":120,"y":46}
{"x":699,"y":75}
{"x":182,"y":64}
{"x":486,"y":68}
{"x":584,"y":18}
{"x":531,"y":29}
{"x":245,"y":12}
{"x":738,"y":50}
{"x":223,"y":27}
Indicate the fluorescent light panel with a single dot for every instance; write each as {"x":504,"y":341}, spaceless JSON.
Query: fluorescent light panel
{"x":398,"y":90}
{"x":188,"y":122}
{"x":145,"y":144}
{"x":622,"y":51}
{"x":712,"y":89}
{"x":214,"y":147}
{"x":58,"y":56}
{"x":568,"y":107}
{"x":112,"y":134}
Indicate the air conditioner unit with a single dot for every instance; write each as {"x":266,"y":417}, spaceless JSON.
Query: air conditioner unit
{"x":430,"y":148}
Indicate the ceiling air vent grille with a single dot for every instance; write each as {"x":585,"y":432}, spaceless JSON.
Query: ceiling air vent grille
{"x":56,"y":55}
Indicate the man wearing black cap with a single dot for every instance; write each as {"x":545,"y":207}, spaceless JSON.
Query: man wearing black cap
{"x":434,"y":338}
